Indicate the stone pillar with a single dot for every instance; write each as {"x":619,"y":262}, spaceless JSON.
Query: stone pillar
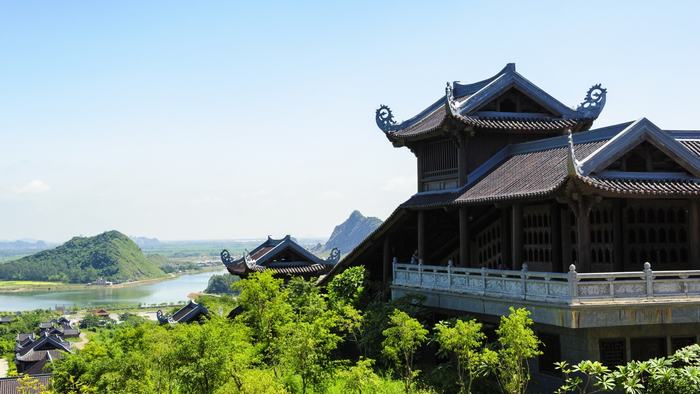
{"x":420,"y":223}
{"x":464,"y":237}
{"x":517,"y":236}
{"x":694,"y":233}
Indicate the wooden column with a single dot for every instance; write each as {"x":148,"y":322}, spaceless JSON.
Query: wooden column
{"x":583,"y":236}
{"x":420,"y":223}
{"x":419,"y":168}
{"x":506,"y":237}
{"x":462,"y":169}
{"x":618,"y":237}
{"x":463,"y":237}
{"x":555,"y":227}
{"x":694,"y":233}
{"x":566,"y":246}
{"x":517,"y":236}
{"x":386,"y":262}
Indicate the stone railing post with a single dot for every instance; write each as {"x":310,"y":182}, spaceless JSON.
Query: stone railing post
{"x":648,"y":277}
{"x":523,"y":281}
{"x":483,"y":280}
{"x":573,"y":283}
{"x":420,"y":273}
{"x":449,"y":274}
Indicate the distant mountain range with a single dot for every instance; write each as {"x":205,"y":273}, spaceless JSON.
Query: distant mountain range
{"x":24,"y":245}
{"x":110,"y":255}
{"x":347,"y":235}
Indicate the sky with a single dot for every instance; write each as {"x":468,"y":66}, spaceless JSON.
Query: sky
{"x":224,"y":120}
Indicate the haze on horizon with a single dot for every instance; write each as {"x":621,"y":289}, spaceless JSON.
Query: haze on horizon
{"x":225,"y":121}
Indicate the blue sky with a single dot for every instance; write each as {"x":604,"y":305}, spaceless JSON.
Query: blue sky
{"x":203,"y":120}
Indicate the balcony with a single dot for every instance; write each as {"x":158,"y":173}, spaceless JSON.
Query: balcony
{"x":566,"y":299}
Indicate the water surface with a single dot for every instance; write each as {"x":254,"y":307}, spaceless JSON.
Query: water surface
{"x":166,"y":291}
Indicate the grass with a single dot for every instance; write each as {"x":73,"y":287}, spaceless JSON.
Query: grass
{"x":29,"y":285}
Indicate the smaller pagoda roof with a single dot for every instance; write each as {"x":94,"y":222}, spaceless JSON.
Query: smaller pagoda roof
{"x":188,"y":313}
{"x":465,"y":103}
{"x":274,"y":254}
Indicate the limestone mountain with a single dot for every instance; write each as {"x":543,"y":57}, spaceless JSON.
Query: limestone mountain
{"x":110,"y":255}
{"x":347,"y":235}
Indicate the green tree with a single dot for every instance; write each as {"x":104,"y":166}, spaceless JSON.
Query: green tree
{"x":265,"y":309}
{"x":348,"y":286}
{"x":402,"y":338}
{"x":464,"y":339}
{"x":517,"y":344}
{"x":30,"y":385}
{"x":361,"y":378}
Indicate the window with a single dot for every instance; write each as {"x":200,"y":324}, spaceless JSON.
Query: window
{"x":602,"y":237}
{"x":643,"y":349}
{"x":488,"y":245}
{"x":439,"y":160}
{"x":551,"y":353}
{"x":681,"y":342}
{"x":612,"y":352}
{"x":537,"y":242}
{"x":657,"y":234}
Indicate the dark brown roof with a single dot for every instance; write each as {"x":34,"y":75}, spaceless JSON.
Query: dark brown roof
{"x":520,"y":124}
{"x":428,"y":123}
{"x":651,"y":188}
{"x":11,"y":385}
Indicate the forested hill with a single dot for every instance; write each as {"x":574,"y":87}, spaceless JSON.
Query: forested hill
{"x":110,"y":255}
{"x":347,"y":235}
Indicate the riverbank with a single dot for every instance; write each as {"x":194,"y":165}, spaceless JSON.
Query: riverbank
{"x":26,"y":286}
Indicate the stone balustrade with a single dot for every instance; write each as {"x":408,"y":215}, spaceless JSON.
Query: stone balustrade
{"x":551,"y":287}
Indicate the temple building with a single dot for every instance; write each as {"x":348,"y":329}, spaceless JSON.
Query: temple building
{"x":521,"y":201}
{"x":192,"y":312}
{"x":34,"y":353}
{"x":284,"y":257}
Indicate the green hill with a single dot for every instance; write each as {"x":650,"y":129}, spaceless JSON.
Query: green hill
{"x":110,"y":255}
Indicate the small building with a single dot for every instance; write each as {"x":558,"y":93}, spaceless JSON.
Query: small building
{"x":61,"y":327}
{"x":284,"y":257}
{"x":189,"y":313}
{"x":11,"y":385}
{"x":100,"y":312}
{"x":7,"y":319}
{"x":32,"y":354}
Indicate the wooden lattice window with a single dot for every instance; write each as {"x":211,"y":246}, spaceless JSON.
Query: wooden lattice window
{"x":439,"y":159}
{"x":602,"y":235}
{"x":537,"y":234}
{"x":488,"y":246}
{"x":612,"y":352}
{"x":657,"y":234}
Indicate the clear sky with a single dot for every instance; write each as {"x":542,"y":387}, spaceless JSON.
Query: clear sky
{"x":202,"y":120}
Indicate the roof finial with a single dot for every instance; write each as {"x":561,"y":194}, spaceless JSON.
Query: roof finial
{"x":594,"y":102}
{"x":573,"y":167}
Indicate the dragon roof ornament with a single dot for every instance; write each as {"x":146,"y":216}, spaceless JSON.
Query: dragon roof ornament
{"x":334,"y":256}
{"x":385,"y":119}
{"x":594,"y":102}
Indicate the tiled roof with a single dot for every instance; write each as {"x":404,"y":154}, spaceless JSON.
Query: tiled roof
{"x":36,"y":355}
{"x":521,"y":124}
{"x":650,"y":188}
{"x":431,"y":121}
{"x":11,"y":385}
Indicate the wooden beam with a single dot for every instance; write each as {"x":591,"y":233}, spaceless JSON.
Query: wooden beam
{"x":464,"y":237}
{"x":566,"y":246}
{"x":420,"y":224}
{"x":517,"y":236}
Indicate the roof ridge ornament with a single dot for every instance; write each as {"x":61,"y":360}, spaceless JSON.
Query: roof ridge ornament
{"x":385,"y":119}
{"x":573,"y":166}
{"x":594,"y":101}
{"x":449,"y":95}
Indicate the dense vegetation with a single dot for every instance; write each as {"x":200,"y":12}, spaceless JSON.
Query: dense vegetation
{"x":292,"y":338}
{"x":110,"y":255}
{"x":23,"y":323}
{"x":221,"y":284}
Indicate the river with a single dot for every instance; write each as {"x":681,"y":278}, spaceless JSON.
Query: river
{"x":165,"y":291}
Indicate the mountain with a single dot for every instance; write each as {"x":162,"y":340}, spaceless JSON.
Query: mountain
{"x":145,"y":242}
{"x":347,"y":235}
{"x":24,"y":245}
{"x":110,"y":255}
